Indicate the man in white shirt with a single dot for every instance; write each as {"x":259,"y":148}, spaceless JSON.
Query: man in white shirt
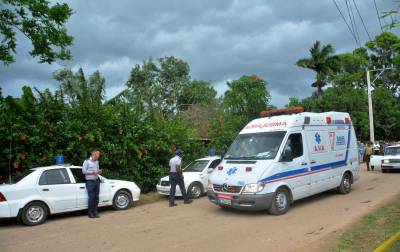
{"x":91,"y":170}
{"x":176,"y":178}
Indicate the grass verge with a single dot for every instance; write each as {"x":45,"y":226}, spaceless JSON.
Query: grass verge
{"x":149,"y":197}
{"x":372,"y":230}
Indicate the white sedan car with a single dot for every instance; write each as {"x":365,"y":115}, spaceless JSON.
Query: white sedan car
{"x":195,"y":177}
{"x":42,"y":191}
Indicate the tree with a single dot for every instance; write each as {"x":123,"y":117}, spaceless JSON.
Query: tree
{"x":385,"y":51}
{"x":42,"y":24}
{"x":80,"y":91}
{"x":246,"y":97}
{"x":197,"y":92}
{"x":322,"y":62}
{"x":158,"y":87}
{"x":386,"y":114}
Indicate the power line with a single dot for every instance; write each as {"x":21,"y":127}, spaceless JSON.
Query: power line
{"x":355,"y":24}
{"x":377,"y":14}
{"x":344,"y":19}
{"x":352,"y":23}
{"x":362,"y":20}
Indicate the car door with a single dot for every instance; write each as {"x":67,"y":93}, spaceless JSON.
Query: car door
{"x":297,"y":169}
{"x":80,"y":188}
{"x":56,"y":188}
{"x":206,"y":172}
{"x":321,"y":157}
{"x":105,"y":196}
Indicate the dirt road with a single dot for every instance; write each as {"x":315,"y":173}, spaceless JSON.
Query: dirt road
{"x":203,"y":226}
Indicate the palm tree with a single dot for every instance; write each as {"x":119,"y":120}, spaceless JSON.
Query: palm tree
{"x":322,"y":61}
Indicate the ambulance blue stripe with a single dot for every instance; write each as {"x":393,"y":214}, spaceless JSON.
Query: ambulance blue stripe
{"x":305,"y":171}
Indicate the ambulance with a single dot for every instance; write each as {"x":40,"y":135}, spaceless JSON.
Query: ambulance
{"x":284,"y":156}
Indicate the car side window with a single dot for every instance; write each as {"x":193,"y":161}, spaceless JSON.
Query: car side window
{"x":214,"y":163}
{"x":78,"y":175}
{"x":295,"y":144}
{"x":54,"y":177}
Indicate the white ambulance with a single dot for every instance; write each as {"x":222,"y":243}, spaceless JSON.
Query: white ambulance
{"x":281,"y":158}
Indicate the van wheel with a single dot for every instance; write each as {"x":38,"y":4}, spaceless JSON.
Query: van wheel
{"x":122,"y":200}
{"x":195,"y":190}
{"x":280,"y":202}
{"x":34,"y":213}
{"x":345,"y":185}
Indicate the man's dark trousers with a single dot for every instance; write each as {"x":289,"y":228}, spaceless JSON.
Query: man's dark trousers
{"x":93,"y":189}
{"x":175,"y":179}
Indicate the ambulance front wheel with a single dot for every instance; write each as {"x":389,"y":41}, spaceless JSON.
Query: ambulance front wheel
{"x":280,"y":202}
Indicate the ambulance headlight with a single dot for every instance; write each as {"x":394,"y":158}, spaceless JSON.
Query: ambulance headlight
{"x":253,"y":188}
{"x":386,"y":161}
{"x":209,"y":185}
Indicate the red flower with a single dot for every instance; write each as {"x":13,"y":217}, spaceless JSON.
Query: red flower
{"x":24,"y":138}
{"x":16,"y":166}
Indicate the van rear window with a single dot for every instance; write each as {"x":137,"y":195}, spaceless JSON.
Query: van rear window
{"x":264,"y":145}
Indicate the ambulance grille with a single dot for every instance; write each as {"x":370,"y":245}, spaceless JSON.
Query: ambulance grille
{"x":228,"y":189}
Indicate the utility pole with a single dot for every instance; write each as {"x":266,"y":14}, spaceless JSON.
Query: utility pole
{"x":370,"y":110}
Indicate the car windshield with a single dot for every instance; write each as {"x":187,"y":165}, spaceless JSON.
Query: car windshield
{"x":196,"y":166}
{"x":19,"y":176}
{"x":392,"y":151}
{"x":263,"y":145}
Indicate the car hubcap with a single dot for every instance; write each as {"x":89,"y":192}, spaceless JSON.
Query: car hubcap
{"x":35,"y":214}
{"x":195,"y":191}
{"x":122,"y":201}
{"x":281,"y":201}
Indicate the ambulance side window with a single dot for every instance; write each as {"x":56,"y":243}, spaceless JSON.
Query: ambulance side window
{"x":295,"y":143}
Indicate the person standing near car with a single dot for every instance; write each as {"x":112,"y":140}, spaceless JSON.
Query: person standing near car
{"x":91,"y":170}
{"x":369,"y":150}
{"x":176,"y":178}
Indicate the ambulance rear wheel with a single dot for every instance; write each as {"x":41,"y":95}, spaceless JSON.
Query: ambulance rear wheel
{"x":345,"y":185}
{"x":280,"y":202}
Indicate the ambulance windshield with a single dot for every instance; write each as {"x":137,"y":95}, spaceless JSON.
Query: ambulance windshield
{"x":263,"y":145}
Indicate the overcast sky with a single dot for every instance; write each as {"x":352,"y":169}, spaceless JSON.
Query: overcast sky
{"x":221,"y":40}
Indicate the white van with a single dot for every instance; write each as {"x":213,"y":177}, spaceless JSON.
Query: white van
{"x":276,"y":160}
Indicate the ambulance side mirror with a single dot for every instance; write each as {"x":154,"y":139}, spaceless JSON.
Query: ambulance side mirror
{"x":287,"y":156}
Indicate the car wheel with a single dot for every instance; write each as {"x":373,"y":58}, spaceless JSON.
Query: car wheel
{"x":280,"y":202}
{"x":345,"y":185}
{"x":195,"y":190}
{"x":122,"y":200}
{"x":34,"y":213}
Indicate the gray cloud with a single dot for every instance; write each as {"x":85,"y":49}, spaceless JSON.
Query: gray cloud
{"x":221,"y":40}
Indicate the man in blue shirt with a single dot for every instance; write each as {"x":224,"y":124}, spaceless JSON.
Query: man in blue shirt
{"x":176,"y":178}
{"x":91,"y":170}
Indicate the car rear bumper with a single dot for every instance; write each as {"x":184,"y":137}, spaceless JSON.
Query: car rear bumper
{"x":239,"y":201}
{"x":5,"y":210}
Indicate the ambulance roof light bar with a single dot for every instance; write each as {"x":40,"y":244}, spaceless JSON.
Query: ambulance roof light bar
{"x":282,"y":111}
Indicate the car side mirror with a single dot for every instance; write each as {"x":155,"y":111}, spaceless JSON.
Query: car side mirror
{"x":210,"y":170}
{"x":287,"y":156}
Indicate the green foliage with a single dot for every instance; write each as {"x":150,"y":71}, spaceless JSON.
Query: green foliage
{"x":158,"y":87}
{"x":246,"y":97}
{"x":386,"y":114}
{"x":41,"y":23}
{"x":385,"y":51}
{"x":197,"y":92}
